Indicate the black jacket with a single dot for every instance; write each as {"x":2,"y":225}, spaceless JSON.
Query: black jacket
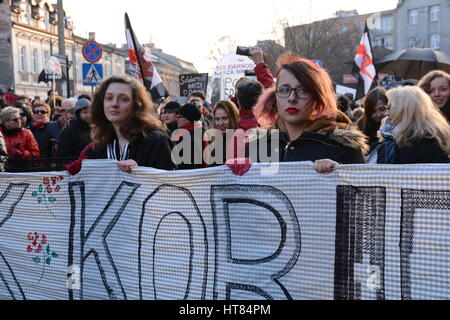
{"x":152,"y":151}
{"x":196,"y":146}
{"x":345,"y":146}
{"x":426,"y":150}
{"x":42,"y":136}
{"x":74,"y":138}
{"x":446,"y":110}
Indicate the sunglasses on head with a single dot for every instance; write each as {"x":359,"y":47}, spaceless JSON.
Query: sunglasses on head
{"x":40,"y":112}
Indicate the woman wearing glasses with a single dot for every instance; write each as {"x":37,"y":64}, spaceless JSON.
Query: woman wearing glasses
{"x":298,"y":106}
{"x":415,"y":131}
{"x":41,"y":119}
{"x":20,"y":142}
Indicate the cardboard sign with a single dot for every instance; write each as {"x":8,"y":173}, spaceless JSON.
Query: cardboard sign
{"x":193,"y":82}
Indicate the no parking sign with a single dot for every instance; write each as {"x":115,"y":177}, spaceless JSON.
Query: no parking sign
{"x":92,"y":51}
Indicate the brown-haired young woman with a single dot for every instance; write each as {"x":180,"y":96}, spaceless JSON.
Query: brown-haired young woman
{"x":375,"y":111}
{"x":436,"y":84}
{"x":126,"y":128}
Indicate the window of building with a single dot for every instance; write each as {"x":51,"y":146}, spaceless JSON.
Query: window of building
{"x":46,"y":56}
{"x":413,"y":42}
{"x":79,"y":67}
{"x":23,"y":59}
{"x":343,"y":28}
{"x":435,"y":13}
{"x":377,"y":42}
{"x":389,"y":43}
{"x":435,"y":41}
{"x":387,"y":24}
{"x":35,"y":60}
{"x":108,"y":69}
{"x":413,"y":17}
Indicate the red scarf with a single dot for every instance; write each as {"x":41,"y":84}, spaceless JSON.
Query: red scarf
{"x":39,"y":125}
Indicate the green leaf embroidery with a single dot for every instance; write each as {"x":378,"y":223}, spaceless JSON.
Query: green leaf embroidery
{"x":48,"y":249}
{"x":51,"y":199}
{"x":40,"y":188}
{"x":48,"y":260}
{"x":34,"y":194}
{"x":54,"y":255}
{"x":37,"y":260}
{"x":39,"y":199}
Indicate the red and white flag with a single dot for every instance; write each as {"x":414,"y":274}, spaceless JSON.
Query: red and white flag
{"x":141,"y":66}
{"x":363,"y":67}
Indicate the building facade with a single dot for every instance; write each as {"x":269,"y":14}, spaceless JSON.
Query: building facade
{"x":423,"y":24}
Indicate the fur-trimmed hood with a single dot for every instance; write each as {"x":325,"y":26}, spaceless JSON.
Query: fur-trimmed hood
{"x":351,"y":137}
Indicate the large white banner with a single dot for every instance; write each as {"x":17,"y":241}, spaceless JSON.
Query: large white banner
{"x":361,"y":232}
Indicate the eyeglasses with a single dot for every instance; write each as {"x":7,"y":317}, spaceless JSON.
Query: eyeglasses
{"x":15,"y":120}
{"x":285,"y":92}
{"x":40,"y":112}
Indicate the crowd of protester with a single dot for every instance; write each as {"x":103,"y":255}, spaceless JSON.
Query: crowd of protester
{"x":297,"y":110}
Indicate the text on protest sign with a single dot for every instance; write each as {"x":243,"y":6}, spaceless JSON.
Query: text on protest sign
{"x":193,"y":82}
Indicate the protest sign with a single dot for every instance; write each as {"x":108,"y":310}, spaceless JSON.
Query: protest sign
{"x":193,"y":82}
{"x":361,"y":232}
{"x":229,"y":70}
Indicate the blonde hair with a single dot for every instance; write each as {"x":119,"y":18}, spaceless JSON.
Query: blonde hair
{"x":8,"y":112}
{"x":416,"y":117}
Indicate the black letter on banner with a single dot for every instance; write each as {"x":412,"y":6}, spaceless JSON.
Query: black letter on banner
{"x":359,"y":262}
{"x":98,"y":232}
{"x":154,"y":212}
{"x":412,"y":200}
{"x":273,"y":267}
{"x":12,"y":196}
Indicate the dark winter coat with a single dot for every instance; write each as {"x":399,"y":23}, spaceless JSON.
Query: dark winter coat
{"x":446,"y":110}
{"x":74,"y":138}
{"x":42,"y":136}
{"x":343,"y":145}
{"x":153,"y":151}
{"x":426,"y":150}
{"x":197,"y":145}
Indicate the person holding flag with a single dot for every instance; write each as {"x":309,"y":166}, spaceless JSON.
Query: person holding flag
{"x":363,"y":67}
{"x":142,"y":68}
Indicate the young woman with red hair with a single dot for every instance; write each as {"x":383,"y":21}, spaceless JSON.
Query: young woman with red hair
{"x":303,"y":106}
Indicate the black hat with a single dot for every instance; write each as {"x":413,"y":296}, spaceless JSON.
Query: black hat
{"x":172,"y":106}
{"x":190,"y":112}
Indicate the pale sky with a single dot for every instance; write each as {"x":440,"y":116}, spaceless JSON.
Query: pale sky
{"x":189,"y":29}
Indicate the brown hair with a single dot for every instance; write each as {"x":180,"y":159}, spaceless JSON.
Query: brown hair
{"x":232,"y":111}
{"x":142,"y":117}
{"x":366,"y":124}
{"x":426,"y":80}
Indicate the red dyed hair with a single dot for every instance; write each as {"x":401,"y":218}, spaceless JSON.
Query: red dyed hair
{"x":315,"y":79}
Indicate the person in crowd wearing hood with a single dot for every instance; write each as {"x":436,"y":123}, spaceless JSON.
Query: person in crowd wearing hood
{"x":415,"y":131}
{"x":303,"y":106}
{"x":169,"y":116}
{"x":74,"y":138}
{"x":126,"y":128}
{"x":437,"y":84}
{"x":225,"y":117}
{"x":3,"y":153}
{"x":189,"y":138}
{"x":375,"y":111}
{"x":41,"y":119}
{"x":20,"y":142}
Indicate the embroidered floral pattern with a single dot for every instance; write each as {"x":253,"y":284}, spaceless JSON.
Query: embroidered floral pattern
{"x":37,"y":244}
{"x":46,"y":192}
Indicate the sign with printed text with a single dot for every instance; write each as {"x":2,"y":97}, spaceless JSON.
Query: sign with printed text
{"x":193,"y":82}
{"x":92,"y":74}
{"x":363,"y":232}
